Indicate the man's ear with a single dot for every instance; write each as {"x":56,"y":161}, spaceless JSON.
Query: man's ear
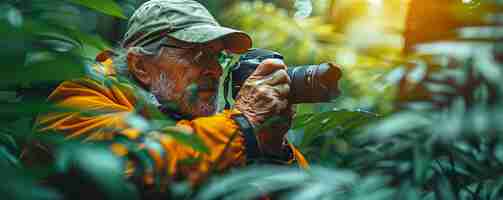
{"x":138,"y":68}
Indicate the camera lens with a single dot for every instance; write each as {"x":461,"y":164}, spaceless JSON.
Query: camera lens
{"x":309,"y":84}
{"x":314,"y":83}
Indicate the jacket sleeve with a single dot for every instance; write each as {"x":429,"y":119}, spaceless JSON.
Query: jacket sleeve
{"x":99,"y":112}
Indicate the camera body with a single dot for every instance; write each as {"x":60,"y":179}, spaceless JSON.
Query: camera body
{"x":309,"y":84}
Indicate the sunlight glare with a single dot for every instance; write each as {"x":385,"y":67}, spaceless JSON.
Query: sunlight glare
{"x":375,"y":2}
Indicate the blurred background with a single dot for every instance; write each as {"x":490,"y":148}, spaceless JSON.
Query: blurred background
{"x":419,"y":116}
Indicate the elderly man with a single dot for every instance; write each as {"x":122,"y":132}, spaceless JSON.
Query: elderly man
{"x":170,"y":60}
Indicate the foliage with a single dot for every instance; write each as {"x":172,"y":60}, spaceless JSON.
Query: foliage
{"x":367,"y":55}
{"x":107,"y":7}
{"x":42,"y":46}
{"x":445,"y":145}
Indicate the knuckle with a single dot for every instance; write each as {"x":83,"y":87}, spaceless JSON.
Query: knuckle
{"x":282,"y":72}
{"x":283,"y":88}
{"x":287,"y":77}
{"x":274,"y":62}
{"x":276,"y":88}
{"x":286,"y":88}
{"x":262,"y":91}
{"x":281,"y":104}
{"x":251,"y":83}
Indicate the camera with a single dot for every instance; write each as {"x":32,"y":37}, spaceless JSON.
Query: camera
{"x":309,"y":84}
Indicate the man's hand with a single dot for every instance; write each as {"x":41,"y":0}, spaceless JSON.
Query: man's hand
{"x":263,"y":101}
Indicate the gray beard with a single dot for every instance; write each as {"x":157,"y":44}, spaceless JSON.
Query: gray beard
{"x":197,"y":108}
{"x":205,"y":109}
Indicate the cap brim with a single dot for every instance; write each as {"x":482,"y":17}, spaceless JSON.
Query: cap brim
{"x":235,"y":41}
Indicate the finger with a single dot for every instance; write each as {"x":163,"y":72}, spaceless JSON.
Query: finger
{"x":290,"y":111}
{"x":278,"y":77}
{"x":283,"y":90}
{"x":268,"y":66}
{"x":280,"y":105}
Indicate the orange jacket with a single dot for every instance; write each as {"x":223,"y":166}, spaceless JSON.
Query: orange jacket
{"x":102,"y":107}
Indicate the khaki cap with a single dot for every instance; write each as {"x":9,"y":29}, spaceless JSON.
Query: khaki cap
{"x":185,"y":20}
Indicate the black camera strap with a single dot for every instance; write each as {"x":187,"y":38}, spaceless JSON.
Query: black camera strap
{"x":252,"y":148}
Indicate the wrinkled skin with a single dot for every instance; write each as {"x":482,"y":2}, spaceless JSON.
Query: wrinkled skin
{"x":263,"y":100}
{"x":174,"y":77}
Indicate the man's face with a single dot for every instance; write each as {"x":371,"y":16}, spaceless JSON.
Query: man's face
{"x":187,"y":76}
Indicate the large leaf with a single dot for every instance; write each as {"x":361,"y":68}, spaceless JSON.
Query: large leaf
{"x":6,"y":158}
{"x":8,"y":142}
{"x":91,"y":168}
{"x":340,"y":121}
{"x":44,"y":67}
{"x":253,"y":182}
{"x":108,"y":7}
{"x":28,"y":108}
{"x":17,"y":184}
{"x":13,"y":40}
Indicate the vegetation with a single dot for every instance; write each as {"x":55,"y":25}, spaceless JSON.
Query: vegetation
{"x":420,"y":125}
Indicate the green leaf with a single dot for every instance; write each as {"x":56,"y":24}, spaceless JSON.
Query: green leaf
{"x":469,"y":161}
{"x":91,"y":44}
{"x":7,"y":157}
{"x":26,"y":108}
{"x":497,"y":189}
{"x":244,"y":179}
{"x":407,"y":191}
{"x":84,"y":165}
{"x":16,"y":182}
{"x":253,"y":182}
{"x":301,"y":120}
{"x":422,"y":162}
{"x":346,"y":119}
{"x":39,"y":30}
{"x":318,"y":124}
{"x":444,"y":190}
{"x":8,"y":142}
{"x":399,"y":123}
{"x":108,"y":7}
{"x":14,"y":38}
{"x":44,"y":67}
{"x":312,"y":127}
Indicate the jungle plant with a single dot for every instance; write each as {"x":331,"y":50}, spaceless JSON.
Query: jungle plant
{"x":445,"y":145}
